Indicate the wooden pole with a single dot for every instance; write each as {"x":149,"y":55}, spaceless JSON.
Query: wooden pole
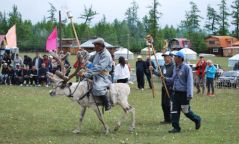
{"x":150,"y":41}
{"x":60,"y":44}
{"x":128,"y":47}
{"x":151,"y":71}
{"x":74,"y":29}
{"x":161,"y":74}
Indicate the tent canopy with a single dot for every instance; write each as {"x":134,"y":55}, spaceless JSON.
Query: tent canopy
{"x":88,"y":44}
{"x":145,"y":51}
{"x":189,"y":54}
{"x":124,"y":52}
{"x":233,"y":60}
{"x":159,"y":58}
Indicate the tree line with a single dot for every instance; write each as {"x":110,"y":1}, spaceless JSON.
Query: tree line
{"x":129,"y":32}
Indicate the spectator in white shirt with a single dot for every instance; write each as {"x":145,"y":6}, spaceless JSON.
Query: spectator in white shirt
{"x":17,"y":61}
{"x":122,"y":73}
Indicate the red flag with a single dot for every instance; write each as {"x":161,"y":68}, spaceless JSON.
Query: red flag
{"x":51,"y":44}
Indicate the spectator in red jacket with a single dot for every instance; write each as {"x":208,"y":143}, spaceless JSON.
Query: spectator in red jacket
{"x":200,"y":72}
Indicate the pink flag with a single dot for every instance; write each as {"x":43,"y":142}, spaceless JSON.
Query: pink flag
{"x":11,"y":37}
{"x":51,"y":44}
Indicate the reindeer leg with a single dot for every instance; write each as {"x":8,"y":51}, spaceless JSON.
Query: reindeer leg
{"x":99,"y":115}
{"x":120,"y":121}
{"x":132,"y":110}
{"x":82,"y":113}
{"x":127,"y":109}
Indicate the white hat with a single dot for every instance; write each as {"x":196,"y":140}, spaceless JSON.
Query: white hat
{"x":167,"y":53}
{"x":139,"y":57}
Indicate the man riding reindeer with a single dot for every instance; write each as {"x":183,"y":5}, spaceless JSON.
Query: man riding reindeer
{"x":102,"y":62}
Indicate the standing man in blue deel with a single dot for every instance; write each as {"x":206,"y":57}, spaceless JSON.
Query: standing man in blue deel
{"x":182,"y":80}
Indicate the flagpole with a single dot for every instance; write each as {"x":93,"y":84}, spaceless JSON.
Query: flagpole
{"x":60,"y":44}
{"x":74,"y":29}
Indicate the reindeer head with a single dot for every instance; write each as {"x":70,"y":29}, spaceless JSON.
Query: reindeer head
{"x":60,"y":86}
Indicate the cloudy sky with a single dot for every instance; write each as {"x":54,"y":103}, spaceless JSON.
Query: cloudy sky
{"x":173,"y":10}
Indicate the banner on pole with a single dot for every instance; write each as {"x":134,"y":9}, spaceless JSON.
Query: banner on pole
{"x":51,"y":43}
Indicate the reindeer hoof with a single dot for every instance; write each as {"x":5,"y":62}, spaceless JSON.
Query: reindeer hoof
{"x":76,"y":131}
{"x":106,"y":132}
{"x":131,"y":129}
{"x":116,"y":128}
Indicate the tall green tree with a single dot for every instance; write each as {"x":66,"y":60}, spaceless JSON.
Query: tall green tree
{"x":3,"y":23}
{"x":223,"y":18}
{"x":88,"y":15}
{"x":15,"y":16}
{"x":135,"y":40}
{"x":106,"y":30}
{"x":132,"y":17}
{"x":235,"y":16}
{"x":192,"y":19}
{"x":52,"y":13}
{"x":212,"y":20}
{"x":169,"y":32}
{"x":151,"y":22}
{"x":191,"y":27}
{"x":122,"y":30}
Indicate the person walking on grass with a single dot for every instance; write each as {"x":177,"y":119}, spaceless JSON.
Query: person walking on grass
{"x":140,"y":66}
{"x":122,"y":74}
{"x":210,"y":75}
{"x":182,"y":80}
{"x":167,"y":70}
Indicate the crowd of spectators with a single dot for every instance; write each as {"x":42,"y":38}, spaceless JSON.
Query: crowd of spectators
{"x":28,"y":71}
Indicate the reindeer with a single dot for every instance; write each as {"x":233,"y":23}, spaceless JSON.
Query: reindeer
{"x":80,"y":92}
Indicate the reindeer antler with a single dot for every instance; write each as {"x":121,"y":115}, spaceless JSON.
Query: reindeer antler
{"x":82,"y":57}
{"x":60,"y":60}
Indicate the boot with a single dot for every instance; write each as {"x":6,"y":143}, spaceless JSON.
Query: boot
{"x":174,"y":130}
{"x":107,"y":103}
{"x":198,"y":124}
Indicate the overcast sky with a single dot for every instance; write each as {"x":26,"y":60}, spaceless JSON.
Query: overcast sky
{"x":173,"y":10}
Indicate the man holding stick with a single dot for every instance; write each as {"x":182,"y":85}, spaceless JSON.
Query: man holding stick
{"x":167,"y":71}
{"x":182,"y":80}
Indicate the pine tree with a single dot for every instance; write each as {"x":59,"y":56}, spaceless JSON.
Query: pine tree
{"x":135,"y":40}
{"x":212,"y":20}
{"x":3,"y":23}
{"x":223,"y":18}
{"x":235,"y":16}
{"x":88,"y":15}
{"x":151,"y":23}
{"x":52,"y":13}
{"x":192,"y":19}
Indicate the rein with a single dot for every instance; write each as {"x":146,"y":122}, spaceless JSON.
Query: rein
{"x":86,"y":94}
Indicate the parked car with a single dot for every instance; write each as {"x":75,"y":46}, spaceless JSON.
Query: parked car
{"x":229,"y":79}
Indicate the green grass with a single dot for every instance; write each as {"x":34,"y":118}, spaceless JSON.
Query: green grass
{"x":30,"y":115}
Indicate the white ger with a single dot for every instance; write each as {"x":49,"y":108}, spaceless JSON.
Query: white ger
{"x":78,"y":92}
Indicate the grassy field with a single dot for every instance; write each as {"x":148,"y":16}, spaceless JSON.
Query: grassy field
{"x":30,"y":115}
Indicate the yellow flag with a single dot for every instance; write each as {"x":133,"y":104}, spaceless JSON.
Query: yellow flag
{"x":11,"y":37}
